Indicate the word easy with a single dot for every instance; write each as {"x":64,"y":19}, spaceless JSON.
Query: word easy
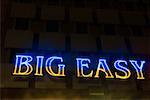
{"x":24,"y":66}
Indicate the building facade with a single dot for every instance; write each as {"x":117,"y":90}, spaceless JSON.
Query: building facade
{"x":71,"y":28}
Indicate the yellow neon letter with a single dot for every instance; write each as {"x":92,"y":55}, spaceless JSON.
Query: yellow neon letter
{"x":19,"y":64}
{"x":123,"y":69}
{"x":138,"y":68}
{"x":105,"y":69}
{"x":83,"y":62}
{"x":61,"y":67}
{"x":39,"y":66}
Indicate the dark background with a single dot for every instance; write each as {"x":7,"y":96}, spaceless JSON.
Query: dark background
{"x":70,"y":28}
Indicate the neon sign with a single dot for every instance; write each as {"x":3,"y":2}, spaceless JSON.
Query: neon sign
{"x":55,"y":66}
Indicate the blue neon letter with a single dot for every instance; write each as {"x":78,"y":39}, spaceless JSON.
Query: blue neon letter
{"x":83,"y":62}
{"x":138,"y":68}
{"x":120,"y":67}
{"x":61,"y":67}
{"x":20,"y":61}
{"x":39,"y":65}
{"x":102,"y":63}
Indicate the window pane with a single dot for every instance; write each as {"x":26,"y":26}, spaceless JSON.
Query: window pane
{"x":52,"y":26}
{"x":109,"y":29}
{"x":81,"y":28}
{"x":22,"y":23}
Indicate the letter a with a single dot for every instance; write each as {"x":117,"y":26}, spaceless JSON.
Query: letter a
{"x":105,"y":69}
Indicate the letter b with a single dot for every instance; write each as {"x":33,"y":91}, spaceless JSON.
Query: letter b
{"x":20,"y":61}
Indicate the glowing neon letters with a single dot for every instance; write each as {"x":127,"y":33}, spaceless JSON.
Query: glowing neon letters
{"x":55,"y":66}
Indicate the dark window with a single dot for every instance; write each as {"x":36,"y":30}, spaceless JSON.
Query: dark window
{"x":118,"y":5}
{"x":137,"y":31}
{"x":38,"y":13}
{"x":98,"y":44}
{"x":11,"y":22}
{"x":23,"y":1}
{"x":67,"y":27}
{"x":104,"y":4}
{"x":68,"y":45}
{"x":53,"y":2}
{"x":66,"y":3}
{"x":124,"y":30}
{"x":79,"y":3}
{"x":35,"y":42}
{"x":128,"y":44}
{"x":109,"y":29}
{"x":52,"y":26}
{"x":92,"y":3}
{"x":81,"y":28}
{"x":146,"y":31}
{"x":129,"y":6}
{"x":140,"y":6}
{"x":22,"y":23}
